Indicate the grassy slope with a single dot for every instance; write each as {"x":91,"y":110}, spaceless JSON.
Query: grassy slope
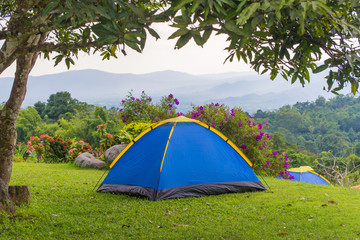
{"x":64,"y":206}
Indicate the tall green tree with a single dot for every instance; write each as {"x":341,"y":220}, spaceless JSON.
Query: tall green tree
{"x":28,"y":123}
{"x":59,"y":105}
{"x":286,"y":37}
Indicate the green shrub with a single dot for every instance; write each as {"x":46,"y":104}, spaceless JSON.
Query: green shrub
{"x":132,"y":130}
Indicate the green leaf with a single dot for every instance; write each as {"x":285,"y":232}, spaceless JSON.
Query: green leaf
{"x":330,"y":81}
{"x":320,"y":68}
{"x":86,"y":33}
{"x":183,"y":40}
{"x":153,"y":33}
{"x":231,"y":26}
{"x":100,"y":30}
{"x":180,"y":4}
{"x":264,"y":71}
{"x":68,"y":3}
{"x":133,"y":46}
{"x":240,"y":6}
{"x":306,"y":74}
{"x":197,"y":37}
{"x":113,"y":50}
{"x":354,"y":87}
{"x":137,"y":10}
{"x":273,"y":74}
{"x":209,"y":21}
{"x":230,"y":3}
{"x":271,"y":19}
{"x":130,"y":37}
{"x":68,"y":62}
{"x":247,"y":13}
{"x":294,"y":77}
{"x":207,"y":34}
{"x":58,"y":59}
{"x":108,"y":39}
{"x":179,"y":32}
{"x":103,"y":12}
{"x":195,"y":5}
{"x":51,"y":6}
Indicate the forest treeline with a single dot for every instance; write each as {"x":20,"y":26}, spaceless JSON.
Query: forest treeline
{"x":322,"y":125}
{"x":322,"y":134}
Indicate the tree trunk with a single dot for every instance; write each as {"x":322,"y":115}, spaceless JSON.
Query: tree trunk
{"x":8,"y":116}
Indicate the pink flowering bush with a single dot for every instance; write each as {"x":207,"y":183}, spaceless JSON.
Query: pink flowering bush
{"x":55,"y":149}
{"x":77,"y":148}
{"x":36,"y":146}
{"x":106,"y":139}
{"x":144,"y":110}
{"x":245,"y":133}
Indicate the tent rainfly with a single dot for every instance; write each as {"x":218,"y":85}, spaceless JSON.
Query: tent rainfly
{"x":307,"y":174}
{"x":180,"y":157}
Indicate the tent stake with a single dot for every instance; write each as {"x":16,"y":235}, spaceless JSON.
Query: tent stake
{"x":100,"y":178}
{"x":265,"y":182}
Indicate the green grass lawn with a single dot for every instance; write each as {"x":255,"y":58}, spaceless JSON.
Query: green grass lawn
{"x":64,"y":206}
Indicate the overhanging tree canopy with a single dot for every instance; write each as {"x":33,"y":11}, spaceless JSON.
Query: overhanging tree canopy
{"x":282,"y":37}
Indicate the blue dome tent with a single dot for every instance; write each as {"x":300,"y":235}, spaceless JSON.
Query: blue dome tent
{"x":180,"y":157}
{"x":307,"y":174}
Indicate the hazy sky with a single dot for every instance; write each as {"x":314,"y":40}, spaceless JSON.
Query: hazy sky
{"x":158,"y":56}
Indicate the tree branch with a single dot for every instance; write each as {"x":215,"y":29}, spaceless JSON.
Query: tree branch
{"x":60,"y":47}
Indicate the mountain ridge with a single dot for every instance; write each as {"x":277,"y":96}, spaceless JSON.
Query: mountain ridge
{"x":249,"y":91}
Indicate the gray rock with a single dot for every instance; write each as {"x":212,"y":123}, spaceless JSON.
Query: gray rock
{"x":111,"y":153}
{"x":87,"y":160}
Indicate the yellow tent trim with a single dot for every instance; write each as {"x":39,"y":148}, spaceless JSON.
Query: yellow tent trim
{"x":167,"y":144}
{"x":181,"y":119}
{"x":301,"y":169}
{"x":320,"y":176}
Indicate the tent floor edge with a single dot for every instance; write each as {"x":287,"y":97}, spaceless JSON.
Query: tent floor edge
{"x":128,"y":190}
{"x":199,"y":190}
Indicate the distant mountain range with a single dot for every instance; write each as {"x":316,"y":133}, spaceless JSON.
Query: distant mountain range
{"x":246,"y":90}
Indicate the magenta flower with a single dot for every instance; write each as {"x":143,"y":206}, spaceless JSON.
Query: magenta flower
{"x":176,"y":101}
{"x":170,"y":105}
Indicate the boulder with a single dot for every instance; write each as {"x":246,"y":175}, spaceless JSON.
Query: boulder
{"x":111,"y":153}
{"x":87,"y":160}
{"x":20,"y":194}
